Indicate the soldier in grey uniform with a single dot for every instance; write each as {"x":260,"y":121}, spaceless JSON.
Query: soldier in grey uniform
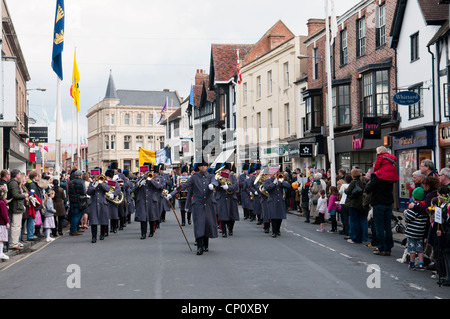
{"x":113,"y":208}
{"x":203,"y":214}
{"x":165,"y":206}
{"x":148,"y":195}
{"x":244,"y":195}
{"x":276,"y":203}
{"x":98,"y":209}
{"x":128,"y":195}
{"x":227,"y":206}
{"x":182,"y":196}
{"x":249,"y":191}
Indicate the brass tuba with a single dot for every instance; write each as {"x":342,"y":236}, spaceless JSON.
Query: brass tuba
{"x":117,"y":200}
{"x":222,"y":180}
{"x":261,"y":179}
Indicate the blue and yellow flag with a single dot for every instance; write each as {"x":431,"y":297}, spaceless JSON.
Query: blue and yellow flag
{"x":58,"y":39}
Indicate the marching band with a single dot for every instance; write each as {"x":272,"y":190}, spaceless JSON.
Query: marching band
{"x":208,"y":196}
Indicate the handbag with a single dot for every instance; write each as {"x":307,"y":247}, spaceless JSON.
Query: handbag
{"x":356,"y":192}
{"x":83,"y":202}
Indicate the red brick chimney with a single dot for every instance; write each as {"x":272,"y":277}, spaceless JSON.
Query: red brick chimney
{"x":315,"y":25}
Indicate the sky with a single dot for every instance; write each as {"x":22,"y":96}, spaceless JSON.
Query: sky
{"x":146,"y":44}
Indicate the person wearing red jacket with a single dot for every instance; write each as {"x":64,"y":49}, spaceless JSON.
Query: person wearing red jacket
{"x":385,"y":165}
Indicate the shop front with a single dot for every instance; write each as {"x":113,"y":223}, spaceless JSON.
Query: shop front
{"x":308,"y":152}
{"x":411,"y":147}
{"x":355,"y":151}
{"x":444,"y":144}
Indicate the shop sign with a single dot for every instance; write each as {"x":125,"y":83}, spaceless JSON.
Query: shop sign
{"x":444,"y":135}
{"x":357,"y":143}
{"x":306,"y":150}
{"x":406,"y":98}
{"x":414,"y":139}
{"x":372,"y":128}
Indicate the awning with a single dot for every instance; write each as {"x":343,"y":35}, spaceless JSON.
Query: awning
{"x":223,"y":157}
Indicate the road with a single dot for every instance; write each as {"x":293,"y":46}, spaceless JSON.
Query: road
{"x":300,"y":264}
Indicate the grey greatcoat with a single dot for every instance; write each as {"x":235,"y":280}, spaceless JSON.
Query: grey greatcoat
{"x":165,"y":178}
{"x":257,"y":210}
{"x":263,"y":204}
{"x":249,"y":193}
{"x":275,"y":202}
{"x":98,"y":207}
{"x":202,"y":207}
{"x":148,"y":200}
{"x":227,"y":205}
{"x":128,"y":185}
{"x":113,"y":208}
{"x":244,"y":195}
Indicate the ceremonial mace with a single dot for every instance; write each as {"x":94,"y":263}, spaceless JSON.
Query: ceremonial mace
{"x":165,"y":193}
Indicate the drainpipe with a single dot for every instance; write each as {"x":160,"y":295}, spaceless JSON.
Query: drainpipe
{"x":434,"y":103}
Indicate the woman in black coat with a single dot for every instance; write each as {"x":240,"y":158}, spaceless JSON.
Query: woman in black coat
{"x":354,"y":203}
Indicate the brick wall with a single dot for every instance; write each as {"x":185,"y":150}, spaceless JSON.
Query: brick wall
{"x":373,"y":55}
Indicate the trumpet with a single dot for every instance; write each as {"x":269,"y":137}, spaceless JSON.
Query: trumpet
{"x":98,"y":180}
{"x":148,"y":176}
{"x":222,"y":180}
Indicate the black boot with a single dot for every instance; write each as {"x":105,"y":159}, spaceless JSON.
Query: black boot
{"x":199,"y":246}
{"x":205,"y":244}
{"x":224,"y":229}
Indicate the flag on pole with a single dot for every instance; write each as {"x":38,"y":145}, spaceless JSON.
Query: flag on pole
{"x":239,"y":75}
{"x":75,"y":88}
{"x":191,"y":96}
{"x":163,"y":112}
{"x":58,"y":39}
{"x":146,"y":156}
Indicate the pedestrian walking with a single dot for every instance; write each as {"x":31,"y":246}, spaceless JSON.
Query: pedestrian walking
{"x":4,"y":220}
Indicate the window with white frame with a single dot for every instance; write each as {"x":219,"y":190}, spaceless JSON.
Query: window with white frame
{"x":269,"y":82}
{"x":258,"y":87}
{"x":380,"y":28}
{"x":286,"y":74}
{"x":127,"y":142}
{"x":139,"y":142}
{"x":245,"y":93}
{"x":344,"y":47}
{"x":288,"y":120}
{"x":139,"y":119}
{"x":361,"y":37}
{"x":316,"y":63}
{"x":127,"y":119}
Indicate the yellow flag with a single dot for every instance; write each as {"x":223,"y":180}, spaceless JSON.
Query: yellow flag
{"x":75,"y":88}
{"x":146,"y":156}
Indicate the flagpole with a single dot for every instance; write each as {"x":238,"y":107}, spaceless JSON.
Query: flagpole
{"x":58,"y":128}
{"x":71,"y":145}
{"x":78,"y":141}
{"x":329,"y":103}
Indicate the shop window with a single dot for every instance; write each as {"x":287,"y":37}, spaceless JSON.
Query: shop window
{"x":407,"y":161}
{"x":313,"y":110}
{"x":341,"y":105}
{"x":416,"y":110}
{"x":375,"y":94}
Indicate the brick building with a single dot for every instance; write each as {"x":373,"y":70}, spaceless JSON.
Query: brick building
{"x":363,"y":83}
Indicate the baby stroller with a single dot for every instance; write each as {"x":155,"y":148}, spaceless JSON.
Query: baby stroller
{"x":397,"y":225}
